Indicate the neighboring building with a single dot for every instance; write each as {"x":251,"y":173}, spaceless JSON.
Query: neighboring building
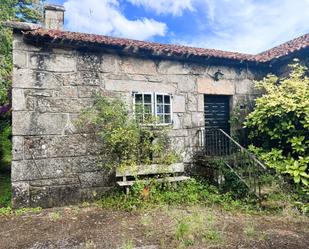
{"x":57,"y":73}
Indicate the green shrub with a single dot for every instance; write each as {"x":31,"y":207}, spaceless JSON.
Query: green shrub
{"x":5,"y":190}
{"x":122,"y":141}
{"x":191,"y":192}
{"x":279,"y":125}
{"x":5,"y":144}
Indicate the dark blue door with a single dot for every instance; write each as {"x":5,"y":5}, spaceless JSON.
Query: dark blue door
{"x":217,"y":112}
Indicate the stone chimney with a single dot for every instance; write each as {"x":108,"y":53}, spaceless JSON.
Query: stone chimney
{"x":53,"y":16}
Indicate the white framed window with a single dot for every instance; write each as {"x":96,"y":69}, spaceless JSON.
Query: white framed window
{"x":148,"y":105}
{"x":143,"y":106}
{"x":163,"y":108}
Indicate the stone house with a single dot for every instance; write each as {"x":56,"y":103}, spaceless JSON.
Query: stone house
{"x":56,"y":74}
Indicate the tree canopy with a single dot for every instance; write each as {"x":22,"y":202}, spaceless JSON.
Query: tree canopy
{"x":26,"y":11}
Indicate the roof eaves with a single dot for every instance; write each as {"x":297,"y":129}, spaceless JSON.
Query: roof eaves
{"x":24,"y":26}
{"x":135,"y":46}
{"x":157,"y":49}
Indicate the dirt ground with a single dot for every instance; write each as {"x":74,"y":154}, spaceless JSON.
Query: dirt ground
{"x":193,"y":227}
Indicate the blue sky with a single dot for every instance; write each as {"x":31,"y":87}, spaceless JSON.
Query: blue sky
{"x":248,"y":26}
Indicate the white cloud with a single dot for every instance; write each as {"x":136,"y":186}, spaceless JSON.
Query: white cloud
{"x":105,"y":17}
{"x":247,"y":25}
{"x":174,"y":7}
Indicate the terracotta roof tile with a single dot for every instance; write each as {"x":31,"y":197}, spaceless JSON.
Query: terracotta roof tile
{"x":169,"y":50}
{"x":284,"y":49}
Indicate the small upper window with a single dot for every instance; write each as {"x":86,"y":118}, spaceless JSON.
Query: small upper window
{"x":147,"y":106}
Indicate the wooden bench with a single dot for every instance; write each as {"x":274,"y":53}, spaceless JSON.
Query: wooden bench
{"x":164,"y":172}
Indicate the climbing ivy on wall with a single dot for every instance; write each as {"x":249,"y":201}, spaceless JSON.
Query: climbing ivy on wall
{"x":279,"y":125}
{"x":123,"y":142}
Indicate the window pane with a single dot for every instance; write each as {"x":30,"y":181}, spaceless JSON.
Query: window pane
{"x":167,"y":99}
{"x":147,"y":108}
{"x":159,"y":108}
{"x":159,"y":99}
{"x":167,"y":119}
{"x":167,"y":109}
{"x":138,"y":98}
{"x":147,"y":98}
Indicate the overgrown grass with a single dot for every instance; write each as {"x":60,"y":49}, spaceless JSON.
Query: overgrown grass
{"x":8,"y":211}
{"x":195,"y":228}
{"x":5,"y":198}
{"x":5,"y":144}
{"x":5,"y":190}
{"x":5,"y":163}
{"x":127,"y":245}
{"x":192,"y":192}
{"x":195,"y":192}
{"x":151,"y":195}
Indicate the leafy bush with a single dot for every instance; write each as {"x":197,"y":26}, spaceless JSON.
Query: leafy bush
{"x":5,"y":144}
{"x":122,"y":141}
{"x":26,"y":11}
{"x":279,"y":125}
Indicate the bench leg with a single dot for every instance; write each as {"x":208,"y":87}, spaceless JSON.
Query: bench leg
{"x":127,"y":190}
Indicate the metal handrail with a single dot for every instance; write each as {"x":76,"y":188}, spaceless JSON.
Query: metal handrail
{"x":217,"y":143}
{"x":244,"y":150}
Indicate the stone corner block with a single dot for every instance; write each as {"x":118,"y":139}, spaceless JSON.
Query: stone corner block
{"x":20,"y":194}
{"x":18,"y":100}
{"x":17,"y":148}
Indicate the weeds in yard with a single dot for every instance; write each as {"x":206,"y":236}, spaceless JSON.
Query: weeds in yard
{"x":85,"y":204}
{"x":89,"y":244}
{"x":7,"y":211}
{"x":5,"y":199}
{"x":195,"y":192}
{"x":127,"y":245}
{"x":252,"y":233}
{"x":196,"y":228}
{"x":213,"y":235}
{"x":23,"y":211}
{"x":192,"y":192}
{"x":249,"y":230}
{"x":147,"y":222}
{"x":54,"y":216}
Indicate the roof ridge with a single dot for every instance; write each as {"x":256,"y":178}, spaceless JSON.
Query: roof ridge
{"x":285,"y":48}
{"x":168,"y":50}
{"x":154,"y":47}
{"x":149,"y":42}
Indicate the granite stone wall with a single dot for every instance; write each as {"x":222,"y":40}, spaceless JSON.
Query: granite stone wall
{"x":53,"y":164}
